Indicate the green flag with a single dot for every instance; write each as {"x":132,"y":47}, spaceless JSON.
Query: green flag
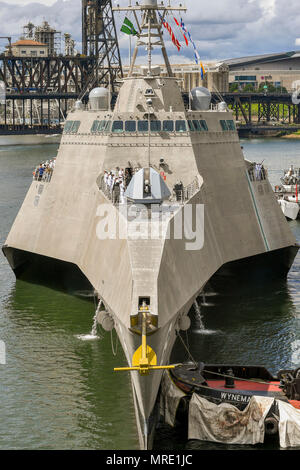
{"x":128,"y":28}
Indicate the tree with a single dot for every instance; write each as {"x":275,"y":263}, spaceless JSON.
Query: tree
{"x":270,"y":89}
{"x":249,"y":88}
{"x":233,"y":87}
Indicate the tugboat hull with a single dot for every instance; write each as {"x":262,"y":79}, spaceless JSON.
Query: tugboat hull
{"x":233,"y":404}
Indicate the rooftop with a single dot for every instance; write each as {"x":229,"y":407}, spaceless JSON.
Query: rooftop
{"x":262,"y":58}
{"x":28,"y":42}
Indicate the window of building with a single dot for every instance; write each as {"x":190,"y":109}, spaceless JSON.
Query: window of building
{"x":42,"y":52}
{"x":117,"y":127}
{"x":155,"y":126}
{"x":180,"y":126}
{"x":130,"y":126}
{"x":143,"y":126}
{"x":245,"y":78}
{"x":168,"y":126}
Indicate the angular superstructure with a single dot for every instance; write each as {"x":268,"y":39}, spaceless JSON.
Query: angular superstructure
{"x":146,"y":203}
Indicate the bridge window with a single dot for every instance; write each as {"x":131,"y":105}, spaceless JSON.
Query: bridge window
{"x":117,"y":127}
{"x":203,"y":125}
{"x":130,"y":126}
{"x":107,"y":126}
{"x":94,"y":126}
{"x":197,"y":125}
{"x":98,"y":126}
{"x":155,"y":126}
{"x":68,"y":126}
{"x":191,"y":126}
{"x":224,"y":125}
{"x":71,"y":127}
{"x":75,"y":127}
{"x":230,"y":125}
{"x":168,"y":126}
{"x":180,"y":126}
{"x":143,"y":126}
{"x":227,"y":125}
{"x":101,"y":126}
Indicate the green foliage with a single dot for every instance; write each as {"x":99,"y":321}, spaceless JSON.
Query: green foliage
{"x":249,"y":88}
{"x":233,"y":87}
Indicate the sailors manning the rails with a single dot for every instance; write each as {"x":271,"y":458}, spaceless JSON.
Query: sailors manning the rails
{"x":115,"y":183}
{"x":44,"y":171}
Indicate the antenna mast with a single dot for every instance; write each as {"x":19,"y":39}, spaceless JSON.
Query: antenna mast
{"x":150,"y":29}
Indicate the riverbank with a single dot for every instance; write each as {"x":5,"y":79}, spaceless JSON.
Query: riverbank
{"x":294,"y":135}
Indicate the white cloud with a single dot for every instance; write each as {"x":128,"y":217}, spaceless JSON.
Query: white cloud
{"x":27,"y":2}
{"x":220,"y":28}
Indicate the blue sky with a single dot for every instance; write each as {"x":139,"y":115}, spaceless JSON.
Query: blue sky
{"x":221,"y":29}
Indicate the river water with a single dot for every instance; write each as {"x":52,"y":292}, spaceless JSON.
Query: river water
{"x":58,"y":389}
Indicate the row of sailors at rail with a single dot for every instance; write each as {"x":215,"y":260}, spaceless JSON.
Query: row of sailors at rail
{"x":115,"y":183}
{"x":44,"y":171}
{"x":257,"y":172}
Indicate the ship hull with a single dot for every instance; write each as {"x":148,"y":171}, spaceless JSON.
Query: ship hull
{"x":67,"y":276}
{"x":148,"y":264}
{"x":50,"y":272}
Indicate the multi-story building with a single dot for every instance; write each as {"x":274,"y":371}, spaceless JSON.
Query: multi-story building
{"x":281,"y":70}
{"x":28,"y":48}
{"x":216,"y":77}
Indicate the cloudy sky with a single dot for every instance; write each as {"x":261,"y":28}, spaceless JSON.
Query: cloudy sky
{"x":220,"y":28}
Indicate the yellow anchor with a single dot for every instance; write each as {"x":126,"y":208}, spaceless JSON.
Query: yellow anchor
{"x":144,"y":359}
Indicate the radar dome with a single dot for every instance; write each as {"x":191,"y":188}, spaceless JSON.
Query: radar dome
{"x":201,"y":99}
{"x":99,"y":99}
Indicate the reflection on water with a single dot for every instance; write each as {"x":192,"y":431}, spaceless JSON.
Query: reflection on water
{"x":57,"y":389}
{"x":59,"y":392}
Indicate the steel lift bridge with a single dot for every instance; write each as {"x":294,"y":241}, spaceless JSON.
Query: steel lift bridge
{"x":41,"y":90}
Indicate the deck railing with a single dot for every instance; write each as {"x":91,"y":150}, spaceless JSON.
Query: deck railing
{"x":181,"y":194}
{"x":257,"y":173}
{"x":45,"y":177}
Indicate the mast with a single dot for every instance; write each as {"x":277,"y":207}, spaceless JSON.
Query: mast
{"x":150,"y":30}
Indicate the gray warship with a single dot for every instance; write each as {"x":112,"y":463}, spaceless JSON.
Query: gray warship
{"x":209,"y":211}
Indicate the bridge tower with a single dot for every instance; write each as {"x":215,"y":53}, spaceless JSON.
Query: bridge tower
{"x":99,"y":40}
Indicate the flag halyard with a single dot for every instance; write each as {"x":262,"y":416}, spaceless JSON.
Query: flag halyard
{"x":170,"y":31}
